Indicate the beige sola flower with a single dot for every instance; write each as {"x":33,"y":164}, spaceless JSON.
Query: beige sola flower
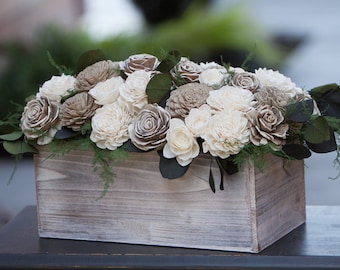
{"x":185,"y":98}
{"x":273,"y":96}
{"x":185,"y":71}
{"x":76,"y":110}
{"x":40,"y":120}
{"x":245,"y":80}
{"x":144,"y":61}
{"x":149,"y":128}
{"x":93,"y":74}
{"x":266,"y":125}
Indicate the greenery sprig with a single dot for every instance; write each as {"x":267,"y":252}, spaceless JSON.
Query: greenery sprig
{"x":103,"y":160}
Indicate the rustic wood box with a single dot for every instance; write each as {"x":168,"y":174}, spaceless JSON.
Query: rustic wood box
{"x":253,"y":211}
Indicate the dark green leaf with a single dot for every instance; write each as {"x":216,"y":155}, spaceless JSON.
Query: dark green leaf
{"x":324,"y":147}
{"x":65,"y":133}
{"x":317,"y":131}
{"x":329,"y":103}
{"x":221,"y":178}
{"x":19,"y":147}
{"x":300,"y":111}
{"x":227,"y":165}
{"x":158,"y":87}
{"x":169,"y":62}
{"x":222,"y":170}
{"x":211,"y":181}
{"x":319,"y":91}
{"x":88,"y":58}
{"x":130,"y":147}
{"x":11,"y":136}
{"x":297,"y":151}
{"x":170,"y":168}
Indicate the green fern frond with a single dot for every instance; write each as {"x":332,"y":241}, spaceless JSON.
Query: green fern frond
{"x":103,"y":160}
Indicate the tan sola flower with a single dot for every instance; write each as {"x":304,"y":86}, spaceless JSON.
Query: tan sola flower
{"x":273,"y":96}
{"x":93,"y":74}
{"x":245,"y":80}
{"x":185,"y":71}
{"x":146,"y":62}
{"x":185,"y":98}
{"x":266,"y":125}
{"x":76,"y":110}
{"x":149,"y":128}
{"x":40,"y":120}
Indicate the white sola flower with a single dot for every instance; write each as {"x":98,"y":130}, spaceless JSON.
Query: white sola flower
{"x":271,"y":78}
{"x":181,"y":143}
{"x":57,"y":87}
{"x":227,"y":134}
{"x":110,"y":126}
{"x":214,"y":77}
{"x":231,"y":98}
{"x":133,"y":93}
{"x":198,"y":120}
{"x":107,"y":92}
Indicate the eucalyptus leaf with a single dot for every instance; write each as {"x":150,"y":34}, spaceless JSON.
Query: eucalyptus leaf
{"x":301,"y":111}
{"x":222,"y":170}
{"x":88,"y":58}
{"x":170,"y":168}
{"x":318,"y":92}
{"x":317,"y":131}
{"x":169,"y":62}
{"x":324,"y":147}
{"x":222,"y":181}
{"x":297,"y":151}
{"x":19,"y":147}
{"x":130,"y":147}
{"x":158,"y":87}
{"x":13,"y":136}
{"x":221,"y":175}
{"x":329,"y":103}
{"x":227,"y":165}
{"x":211,"y":181}
{"x":65,"y":133}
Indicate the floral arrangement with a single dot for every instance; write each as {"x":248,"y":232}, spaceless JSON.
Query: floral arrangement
{"x":177,"y":107}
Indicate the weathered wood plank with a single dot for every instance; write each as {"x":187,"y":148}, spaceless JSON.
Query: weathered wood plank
{"x":255,"y":209}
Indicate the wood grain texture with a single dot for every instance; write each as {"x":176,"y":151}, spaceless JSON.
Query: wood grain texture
{"x":255,"y":209}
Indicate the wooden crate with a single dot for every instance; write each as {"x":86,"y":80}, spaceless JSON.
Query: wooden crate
{"x":253,"y":211}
